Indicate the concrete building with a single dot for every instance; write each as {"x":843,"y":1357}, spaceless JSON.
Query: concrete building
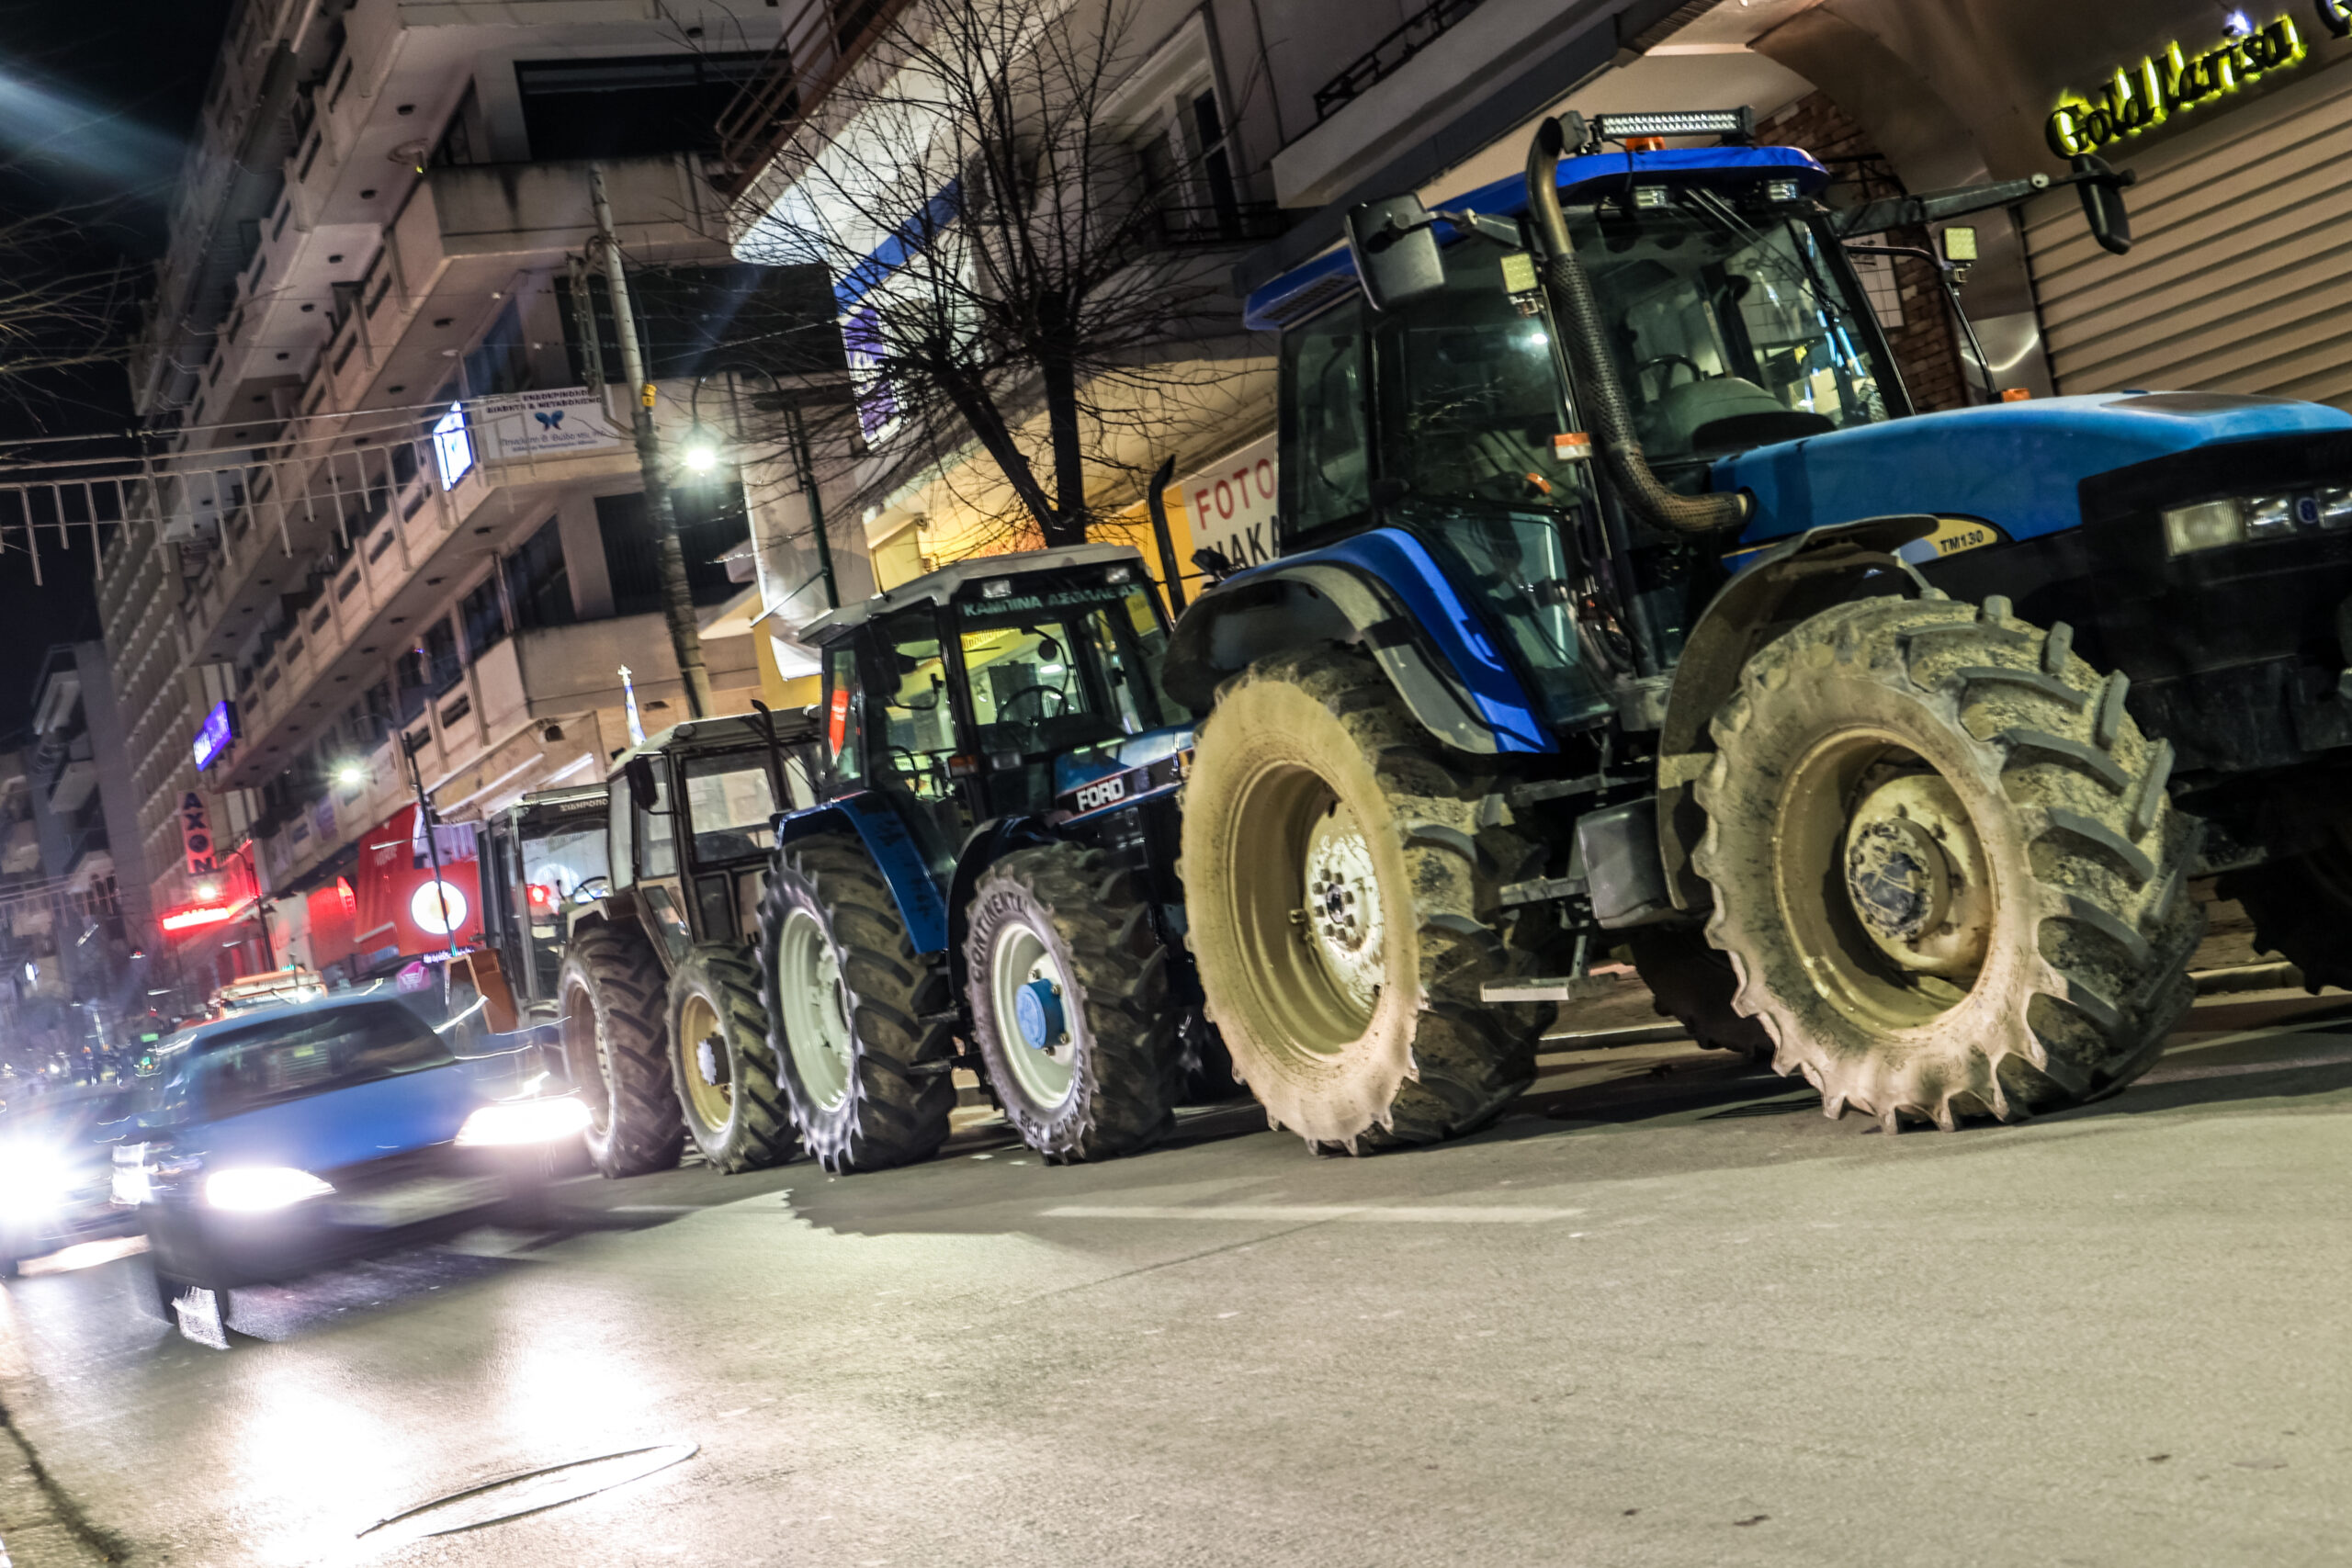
{"x":402,"y":514}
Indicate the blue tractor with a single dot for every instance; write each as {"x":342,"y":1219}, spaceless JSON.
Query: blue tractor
{"x":1624,"y":599}
{"x":986,"y":880}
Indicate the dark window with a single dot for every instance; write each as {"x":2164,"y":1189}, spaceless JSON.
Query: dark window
{"x":465,"y":141}
{"x":712,"y":520}
{"x":629,"y":107}
{"x":632,"y":558}
{"x":484,"y":621}
{"x":442,"y":666}
{"x":409,"y":678}
{"x":308,"y":1054}
{"x":538,"y":582}
{"x":502,"y":361}
{"x":1326,"y":463}
{"x":779,"y":318}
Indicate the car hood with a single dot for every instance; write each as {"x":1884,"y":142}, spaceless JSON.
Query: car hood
{"x":347,"y":1126}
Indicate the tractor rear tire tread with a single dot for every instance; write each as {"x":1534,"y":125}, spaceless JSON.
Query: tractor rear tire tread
{"x":616,"y":968}
{"x":901,"y":1085}
{"x":759,"y":1134}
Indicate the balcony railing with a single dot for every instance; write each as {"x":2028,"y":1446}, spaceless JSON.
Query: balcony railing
{"x":1389,"y":54}
{"x":1230,"y":223}
{"x":823,"y":41}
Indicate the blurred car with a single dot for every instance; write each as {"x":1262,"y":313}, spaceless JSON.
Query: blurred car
{"x":56,"y":1171}
{"x":278,"y":1142}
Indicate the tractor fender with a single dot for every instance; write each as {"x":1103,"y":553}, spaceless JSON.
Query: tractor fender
{"x":988,"y":843}
{"x":870,"y":817}
{"x":1798,"y":577}
{"x":1381,"y":590}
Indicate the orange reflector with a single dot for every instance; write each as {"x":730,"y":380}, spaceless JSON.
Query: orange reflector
{"x":2015,"y":395}
{"x":1571,"y":447}
{"x":1645,"y":145}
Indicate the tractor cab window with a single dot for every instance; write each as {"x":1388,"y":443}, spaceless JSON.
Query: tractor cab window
{"x":657,"y":829}
{"x":731,"y":807}
{"x":1129,"y":644}
{"x":844,"y":716}
{"x":918,"y":722}
{"x":1325,"y":476}
{"x":1470,"y":393}
{"x":1730,"y":332}
{"x":1038,"y":684}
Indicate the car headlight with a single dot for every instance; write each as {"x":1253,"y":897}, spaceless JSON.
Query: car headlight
{"x":2207,"y":525}
{"x":524,"y":1121}
{"x":35,"y":1181}
{"x":258,"y":1188}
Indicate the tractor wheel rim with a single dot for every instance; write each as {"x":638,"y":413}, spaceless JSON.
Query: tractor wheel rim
{"x":1043,"y":1071}
{"x":1342,"y":906}
{"x":704,"y":1058}
{"x":816,"y":1012}
{"x":579,"y":1027}
{"x":1906,"y":927}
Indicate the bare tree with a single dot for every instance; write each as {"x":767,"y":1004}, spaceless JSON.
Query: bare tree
{"x":1010,"y":269}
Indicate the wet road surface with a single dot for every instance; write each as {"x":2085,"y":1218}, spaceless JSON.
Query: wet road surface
{"x":1664,"y":1312}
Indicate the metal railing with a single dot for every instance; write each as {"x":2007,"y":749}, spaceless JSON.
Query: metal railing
{"x":1230,"y":224}
{"x":1390,"y":53}
{"x":823,"y":41}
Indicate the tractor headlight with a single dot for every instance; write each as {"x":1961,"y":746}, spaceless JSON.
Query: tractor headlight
{"x":2268,"y":516}
{"x":2335,"y":506}
{"x":2207,"y":525}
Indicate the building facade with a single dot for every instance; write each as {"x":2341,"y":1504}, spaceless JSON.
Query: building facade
{"x":399,"y":538}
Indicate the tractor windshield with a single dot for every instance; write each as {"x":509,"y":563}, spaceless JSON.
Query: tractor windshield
{"x":1730,"y":332}
{"x":1052,"y":668}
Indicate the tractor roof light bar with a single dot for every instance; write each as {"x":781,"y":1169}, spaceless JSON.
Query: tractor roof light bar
{"x":1737,"y":127}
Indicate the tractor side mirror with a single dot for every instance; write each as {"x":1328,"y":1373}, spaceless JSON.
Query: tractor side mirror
{"x":643,"y":793}
{"x":1393,"y":244}
{"x":2102,"y":192}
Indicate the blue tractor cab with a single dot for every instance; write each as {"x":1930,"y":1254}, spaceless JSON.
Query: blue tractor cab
{"x":1625,"y":598}
{"x":991,"y":863}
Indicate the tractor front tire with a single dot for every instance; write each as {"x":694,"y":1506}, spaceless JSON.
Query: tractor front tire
{"x":1341,"y":876}
{"x":1061,"y":941}
{"x":2301,"y":910}
{"x":1692,"y":983}
{"x":610,"y":994}
{"x":1945,"y":865}
{"x":859,"y":1023}
{"x":722,"y":1065}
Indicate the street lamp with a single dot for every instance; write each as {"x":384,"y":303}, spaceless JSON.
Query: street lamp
{"x":701,"y":454}
{"x":350,"y":774}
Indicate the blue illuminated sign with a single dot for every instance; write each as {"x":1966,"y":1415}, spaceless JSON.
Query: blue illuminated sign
{"x":219,"y":729}
{"x":453,"y":448}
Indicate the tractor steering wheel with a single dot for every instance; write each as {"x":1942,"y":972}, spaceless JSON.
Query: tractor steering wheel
{"x":1669,"y":361}
{"x":595,"y":887}
{"x":1061,"y":701}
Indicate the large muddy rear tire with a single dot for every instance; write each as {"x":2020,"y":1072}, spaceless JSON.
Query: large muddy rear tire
{"x":1341,"y":874}
{"x":2301,"y":910}
{"x":722,"y":1065}
{"x":859,"y":1023}
{"x":611,"y":1004}
{"x":1945,"y":865}
{"x":1062,"y":929}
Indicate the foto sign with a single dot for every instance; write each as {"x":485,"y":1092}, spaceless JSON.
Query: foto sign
{"x":1230,"y":505}
{"x":214,"y":735}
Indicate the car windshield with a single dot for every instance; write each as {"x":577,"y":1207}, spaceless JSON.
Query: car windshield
{"x":731,"y":806}
{"x":299,"y":1054}
{"x":1731,"y":333}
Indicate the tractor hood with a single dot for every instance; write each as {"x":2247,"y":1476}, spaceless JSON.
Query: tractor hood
{"x":2013,"y":465}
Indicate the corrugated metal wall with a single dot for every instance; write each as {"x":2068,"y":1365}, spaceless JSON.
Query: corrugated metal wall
{"x":2240,"y":278}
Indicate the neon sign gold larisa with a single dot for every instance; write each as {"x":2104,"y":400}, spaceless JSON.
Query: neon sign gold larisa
{"x":2176,"y":81}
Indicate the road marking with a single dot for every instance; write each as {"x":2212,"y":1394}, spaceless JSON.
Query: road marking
{"x":2241,"y":1069}
{"x":1310,"y":1214}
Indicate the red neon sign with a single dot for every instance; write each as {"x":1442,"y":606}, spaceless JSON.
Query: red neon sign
{"x":197,"y":915}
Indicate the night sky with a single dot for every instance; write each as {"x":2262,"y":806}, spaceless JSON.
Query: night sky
{"x":95,"y":104}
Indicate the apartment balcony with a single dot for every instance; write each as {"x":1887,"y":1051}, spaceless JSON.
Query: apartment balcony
{"x":75,"y":780}
{"x":20,"y":848}
{"x":821,"y":43}
{"x":460,"y":239}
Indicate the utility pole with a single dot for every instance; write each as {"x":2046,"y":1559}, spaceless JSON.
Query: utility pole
{"x":677,"y":598}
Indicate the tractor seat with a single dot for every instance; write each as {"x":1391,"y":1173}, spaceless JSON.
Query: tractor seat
{"x":1722,"y":413}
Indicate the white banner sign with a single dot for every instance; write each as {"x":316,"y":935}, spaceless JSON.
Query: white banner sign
{"x":1230,"y":505}
{"x":540,"y":425}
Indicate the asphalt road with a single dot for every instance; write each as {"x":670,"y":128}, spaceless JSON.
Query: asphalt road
{"x":1664,"y":1312}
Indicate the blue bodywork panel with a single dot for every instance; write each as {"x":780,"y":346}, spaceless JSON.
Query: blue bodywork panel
{"x":1072,"y":769}
{"x":1726,"y":168}
{"x":347,"y":1126}
{"x":895,"y":852}
{"x":1403,"y":565}
{"x":2014,"y":465}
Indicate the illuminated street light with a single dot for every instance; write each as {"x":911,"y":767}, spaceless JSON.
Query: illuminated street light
{"x":208,"y":891}
{"x":700,"y":455}
{"x":351,"y":776}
